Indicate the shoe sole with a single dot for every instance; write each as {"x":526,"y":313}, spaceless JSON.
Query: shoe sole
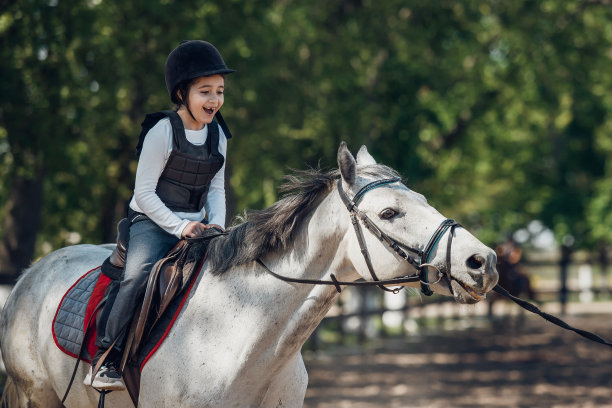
{"x":109,"y":386}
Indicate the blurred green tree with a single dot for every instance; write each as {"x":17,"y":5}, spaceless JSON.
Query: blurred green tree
{"x":499,"y":112}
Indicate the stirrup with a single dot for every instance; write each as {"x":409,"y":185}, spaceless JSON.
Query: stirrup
{"x":102,"y":397}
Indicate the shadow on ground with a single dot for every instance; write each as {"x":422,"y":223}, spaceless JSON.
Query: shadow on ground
{"x":512,"y":363}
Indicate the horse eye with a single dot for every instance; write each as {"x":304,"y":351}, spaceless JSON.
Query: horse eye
{"x":387,"y":213}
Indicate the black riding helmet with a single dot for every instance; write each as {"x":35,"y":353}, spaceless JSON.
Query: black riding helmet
{"x":192,"y":59}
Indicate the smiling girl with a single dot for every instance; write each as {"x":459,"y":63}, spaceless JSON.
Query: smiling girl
{"x":179,"y":183}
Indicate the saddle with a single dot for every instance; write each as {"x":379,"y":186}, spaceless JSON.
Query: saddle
{"x":117,"y":257}
{"x":169,"y":278}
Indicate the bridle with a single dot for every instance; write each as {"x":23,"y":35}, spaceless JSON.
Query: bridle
{"x":422,"y":265}
{"x":401,"y":249}
{"x":404,"y":251}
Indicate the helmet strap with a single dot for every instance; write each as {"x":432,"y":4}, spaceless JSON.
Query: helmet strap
{"x":189,"y":110}
{"x":182,"y":94}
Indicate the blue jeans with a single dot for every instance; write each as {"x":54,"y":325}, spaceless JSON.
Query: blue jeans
{"x":148,"y":243}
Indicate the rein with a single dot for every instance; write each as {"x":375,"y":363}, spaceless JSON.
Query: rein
{"x":335,"y":282}
{"x":401,"y":250}
{"x":553,"y":319}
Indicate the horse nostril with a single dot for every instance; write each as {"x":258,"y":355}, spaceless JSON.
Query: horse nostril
{"x":475,"y":262}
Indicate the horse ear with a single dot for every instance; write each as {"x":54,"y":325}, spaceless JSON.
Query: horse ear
{"x":364,"y":157}
{"x":346,"y":164}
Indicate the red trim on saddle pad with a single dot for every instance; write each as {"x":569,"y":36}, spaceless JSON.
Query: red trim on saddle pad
{"x":95,"y":298}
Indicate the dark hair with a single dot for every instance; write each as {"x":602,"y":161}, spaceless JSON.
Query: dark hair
{"x":180,"y":96}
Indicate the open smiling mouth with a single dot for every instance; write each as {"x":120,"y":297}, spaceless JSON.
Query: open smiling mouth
{"x":210,"y":111}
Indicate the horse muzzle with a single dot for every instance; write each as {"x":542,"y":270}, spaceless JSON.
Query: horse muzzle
{"x":480,"y":277}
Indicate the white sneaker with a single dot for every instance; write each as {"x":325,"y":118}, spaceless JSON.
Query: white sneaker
{"x":87,"y":380}
{"x":107,"y":378}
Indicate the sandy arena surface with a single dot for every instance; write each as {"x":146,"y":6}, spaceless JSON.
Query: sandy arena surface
{"x":512,"y":362}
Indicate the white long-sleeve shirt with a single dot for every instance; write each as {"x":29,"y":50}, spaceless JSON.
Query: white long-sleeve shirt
{"x":156,"y":149}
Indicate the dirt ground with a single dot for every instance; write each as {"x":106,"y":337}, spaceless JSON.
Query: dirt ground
{"x":509,"y":363}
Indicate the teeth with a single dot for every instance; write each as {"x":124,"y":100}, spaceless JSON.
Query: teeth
{"x":476,"y":295}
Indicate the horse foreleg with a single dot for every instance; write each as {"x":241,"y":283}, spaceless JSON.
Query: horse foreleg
{"x":10,"y":397}
{"x":288,"y":388}
{"x":21,"y":394}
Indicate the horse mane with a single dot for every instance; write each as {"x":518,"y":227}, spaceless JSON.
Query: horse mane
{"x":259,"y":232}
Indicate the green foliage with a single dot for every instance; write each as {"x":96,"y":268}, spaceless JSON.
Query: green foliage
{"x":499,"y":112}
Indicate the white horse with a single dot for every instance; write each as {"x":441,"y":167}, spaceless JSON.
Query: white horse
{"x":238,"y":338}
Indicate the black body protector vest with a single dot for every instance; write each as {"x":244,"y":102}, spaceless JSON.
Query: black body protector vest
{"x":184,"y":183}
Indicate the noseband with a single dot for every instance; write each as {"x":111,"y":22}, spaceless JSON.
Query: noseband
{"x":422,"y":265}
{"x":401,"y":249}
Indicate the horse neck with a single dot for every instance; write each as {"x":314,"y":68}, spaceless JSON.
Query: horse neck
{"x":275,"y":318}
{"x":318,"y":250}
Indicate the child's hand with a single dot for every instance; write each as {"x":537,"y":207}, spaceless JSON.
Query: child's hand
{"x":193,"y":229}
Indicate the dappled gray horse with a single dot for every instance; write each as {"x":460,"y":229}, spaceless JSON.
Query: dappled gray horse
{"x":238,"y":338}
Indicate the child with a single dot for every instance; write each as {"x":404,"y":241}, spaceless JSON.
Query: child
{"x":179,"y":180}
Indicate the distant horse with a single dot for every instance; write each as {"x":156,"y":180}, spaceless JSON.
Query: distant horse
{"x":238,"y":338}
{"x":512,"y":276}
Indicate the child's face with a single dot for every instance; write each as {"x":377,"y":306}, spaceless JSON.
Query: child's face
{"x":205,"y":99}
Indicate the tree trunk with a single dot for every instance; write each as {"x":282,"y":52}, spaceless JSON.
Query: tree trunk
{"x":21,"y":225}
